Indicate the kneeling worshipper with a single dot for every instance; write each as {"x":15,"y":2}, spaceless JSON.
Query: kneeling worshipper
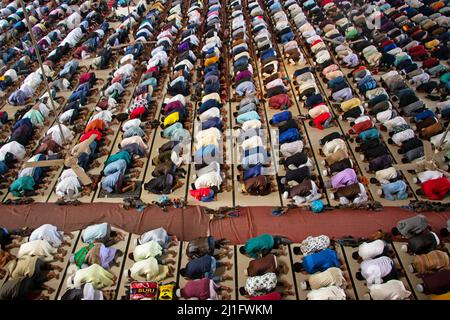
{"x":327,"y":293}
{"x":391,"y":290}
{"x":435,"y":283}
{"x":411,"y":226}
{"x":50,"y":233}
{"x":372,"y":250}
{"x":159,"y":235}
{"x":42,"y":249}
{"x":151,"y":249}
{"x":203,"y":289}
{"x":94,"y":274}
{"x":95,"y":253}
{"x":379,"y":270}
{"x":430,"y":262}
{"x":331,"y":277}
{"x":7,"y":237}
{"x":101,"y":233}
{"x":21,"y":288}
{"x":29,"y":266}
{"x":205,"y":266}
{"x":319,"y":261}
{"x":263,"y":244}
{"x":422,"y":243}
{"x":312,"y":244}
{"x":87,"y":292}
{"x":149,"y":270}
{"x":264,"y":284}
{"x":265,"y":264}
{"x":202,"y":246}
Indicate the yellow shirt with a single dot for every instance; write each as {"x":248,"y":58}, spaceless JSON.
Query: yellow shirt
{"x":211,"y":60}
{"x":171,"y":118}
{"x":350,"y":104}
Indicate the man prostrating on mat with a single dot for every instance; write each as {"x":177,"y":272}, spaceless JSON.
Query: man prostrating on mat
{"x":264,"y":244}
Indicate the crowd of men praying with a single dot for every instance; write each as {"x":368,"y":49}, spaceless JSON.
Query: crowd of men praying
{"x":323,"y":41}
{"x":30,"y":260}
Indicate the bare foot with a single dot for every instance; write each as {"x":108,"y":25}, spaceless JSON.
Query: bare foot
{"x":227,"y":277}
{"x":172,"y":253}
{"x":225,"y":296}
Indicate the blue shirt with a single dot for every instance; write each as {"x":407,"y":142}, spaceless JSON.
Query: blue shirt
{"x":206,"y":152}
{"x":251,"y":115}
{"x":280,"y":117}
{"x":321,"y":261}
{"x":290,"y":135}
{"x":252,"y":172}
{"x":200,"y":267}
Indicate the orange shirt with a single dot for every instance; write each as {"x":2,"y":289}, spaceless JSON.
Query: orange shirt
{"x":98,"y":124}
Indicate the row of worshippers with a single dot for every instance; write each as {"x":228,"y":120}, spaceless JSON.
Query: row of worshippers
{"x":430,"y":261}
{"x":17,"y":51}
{"x":430,"y":257}
{"x":410,"y":51}
{"x":90,"y":141}
{"x":30,"y":118}
{"x":327,"y":280}
{"x":38,"y":115}
{"x":11,"y":63}
{"x":344,"y":185}
{"x":38,"y":260}
{"x":255,"y":172}
{"x":265,"y":269}
{"x":176,"y":108}
{"x":209,"y":149}
{"x":298,"y":183}
{"x":204,"y":280}
{"x":119,"y":166}
{"x":59,"y":136}
{"x":24,"y":131}
{"x":371,"y":146}
{"x":88,"y":273}
{"x":72,"y":38}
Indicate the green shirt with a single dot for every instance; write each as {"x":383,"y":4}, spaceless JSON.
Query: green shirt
{"x":254,"y":246}
{"x":125,"y":155}
{"x":445,"y":78}
{"x":35,"y":117}
{"x":80,"y":255}
{"x":25,"y":183}
{"x":351,"y":33}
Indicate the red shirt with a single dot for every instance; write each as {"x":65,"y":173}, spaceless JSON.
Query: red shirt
{"x":361,"y":126}
{"x":358,"y":69}
{"x":137,"y":113}
{"x":280,"y":100}
{"x":197,"y":289}
{"x":436,"y":189}
{"x":325,"y":2}
{"x":85,"y":77}
{"x":430,"y":63}
{"x":386,"y":43}
{"x":200,"y":193}
{"x":79,"y":50}
{"x":90,"y":133}
{"x":153,"y":70}
{"x":321,"y":119}
{"x":316,"y":42}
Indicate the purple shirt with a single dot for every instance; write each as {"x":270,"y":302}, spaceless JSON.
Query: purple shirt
{"x":243,"y":74}
{"x":344,"y":178}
